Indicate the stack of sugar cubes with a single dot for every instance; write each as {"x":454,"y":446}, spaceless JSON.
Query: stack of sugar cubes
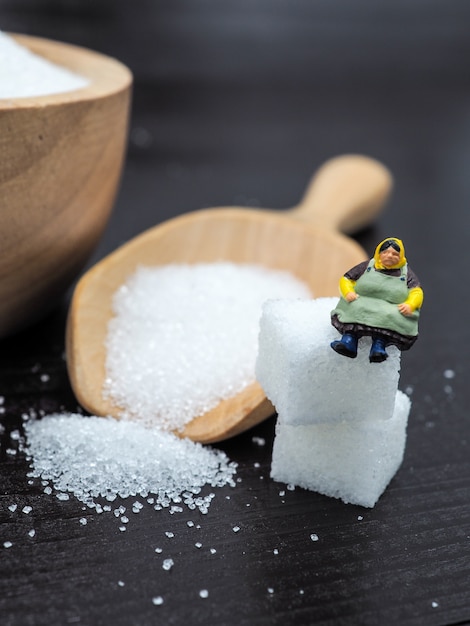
{"x":341,"y":427}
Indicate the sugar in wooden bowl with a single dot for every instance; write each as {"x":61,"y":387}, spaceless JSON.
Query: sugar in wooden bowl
{"x":63,"y":132}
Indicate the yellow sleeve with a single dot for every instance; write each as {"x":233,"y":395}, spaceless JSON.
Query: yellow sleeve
{"x":415,"y":298}
{"x":346,"y":285}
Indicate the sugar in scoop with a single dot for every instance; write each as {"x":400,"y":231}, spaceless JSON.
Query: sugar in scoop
{"x":184,"y":337}
{"x":346,"y":192}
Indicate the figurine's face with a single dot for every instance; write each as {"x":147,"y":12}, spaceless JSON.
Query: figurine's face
{"x":389,"y":257}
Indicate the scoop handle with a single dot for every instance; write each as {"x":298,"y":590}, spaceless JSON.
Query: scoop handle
{"x":345,"y":194}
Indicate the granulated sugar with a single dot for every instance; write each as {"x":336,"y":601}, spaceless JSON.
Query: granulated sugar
{"x":184,"y":337}
{"x":96,"y":457}
{"x":24,"y":74}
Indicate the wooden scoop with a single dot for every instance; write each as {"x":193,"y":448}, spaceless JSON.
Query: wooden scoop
{"x":346,"y":194}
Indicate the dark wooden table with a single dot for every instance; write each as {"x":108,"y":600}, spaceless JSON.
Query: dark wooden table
{"x":238,"y":102}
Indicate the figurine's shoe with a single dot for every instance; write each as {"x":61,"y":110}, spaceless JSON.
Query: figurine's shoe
{"x":377,"y":353}
{"x":346,"y":346}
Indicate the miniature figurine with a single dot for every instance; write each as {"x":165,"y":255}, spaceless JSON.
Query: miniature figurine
{"x":380,"y":298}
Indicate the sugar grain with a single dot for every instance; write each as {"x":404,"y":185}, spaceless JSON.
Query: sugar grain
{"x":68,"y":450}
{"x":24,"y":74}
{"x":184,"y":337}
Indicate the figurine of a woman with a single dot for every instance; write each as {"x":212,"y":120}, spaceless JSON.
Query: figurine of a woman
{"x":380,"y":298}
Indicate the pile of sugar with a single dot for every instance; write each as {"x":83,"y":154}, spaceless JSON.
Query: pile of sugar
{"x":184,"y":337}
{"x":24,"y":74}
{"x":102,"y":458}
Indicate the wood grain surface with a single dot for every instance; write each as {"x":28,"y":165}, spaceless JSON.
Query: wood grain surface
{"x":237,"y":103}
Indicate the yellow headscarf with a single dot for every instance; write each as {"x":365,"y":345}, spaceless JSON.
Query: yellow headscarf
{"x":401,"y":262}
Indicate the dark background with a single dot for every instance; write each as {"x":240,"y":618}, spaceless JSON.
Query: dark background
{"x":238,"y":102}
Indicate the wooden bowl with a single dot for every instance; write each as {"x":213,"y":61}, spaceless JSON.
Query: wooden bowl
{"x":61,"y":158}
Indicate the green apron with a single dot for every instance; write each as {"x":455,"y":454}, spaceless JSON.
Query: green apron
{"x":379,"y":294}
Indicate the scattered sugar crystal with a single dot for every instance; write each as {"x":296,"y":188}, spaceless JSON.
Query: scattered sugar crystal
{"x":270,"y":590}
{"x":353,"y":461}
{"x":158,"y":550}
{"x":236,"y":529}
{"x":45,"y":378}
{"x":27,"y":510}
{"x":434,"y":604}
{"x":449,"y":373}
{"x":69,"y":451}
{"x":198,"y":544}
{"x":124,"y":519}
{"x":15,"y":435}
{"x":32,"y":533}
{"x":13,"y":507}
{"x":204,"y":593}
{"x":24,"y":74}
{"x":122,"y":528}
{"x":121,"y":583}
{"x":63,"y":496}
{"x":190,"y":524}
{"x":7,"y":544}
{"x":2,"y":399}
{"x":282,"y":493}
{"x":259,"y":441}
{"x":213,"y":550}
{"x":184,"y":337}
{"x":169,"y":534}
{"x":307,"y":381}
{"x":360,"y":518}
{"x":314,"y":537}
{"x":83,"y":521}
{"x":168,"y":564}
{"x":157,"y":600}
{"x":275,"y":551}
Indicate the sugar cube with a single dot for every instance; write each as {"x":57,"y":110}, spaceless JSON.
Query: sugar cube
{"x":353,"y":461}
{"x":307,"y":381}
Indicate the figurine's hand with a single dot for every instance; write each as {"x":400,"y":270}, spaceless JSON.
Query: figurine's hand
{"x":405,"y":309}
{"x":351,"y":296}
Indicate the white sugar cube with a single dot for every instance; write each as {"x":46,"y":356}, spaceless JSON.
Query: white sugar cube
{"x":353,"y":461}
{"x":307,"y":381}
